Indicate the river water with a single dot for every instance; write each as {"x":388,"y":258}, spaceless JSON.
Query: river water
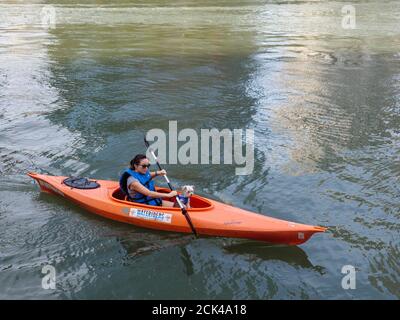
{"x":77,"y":94}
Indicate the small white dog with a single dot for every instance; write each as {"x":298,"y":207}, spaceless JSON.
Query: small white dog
{"x":187,"y":192}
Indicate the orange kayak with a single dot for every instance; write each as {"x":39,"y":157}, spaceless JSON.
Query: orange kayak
{"x":209,"y":217}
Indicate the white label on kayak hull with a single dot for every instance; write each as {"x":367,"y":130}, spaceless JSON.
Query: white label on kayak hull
{"x":150,"y":215}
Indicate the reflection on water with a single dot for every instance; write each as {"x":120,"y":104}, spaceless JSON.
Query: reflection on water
{"x":292,"y":255}
{"x":323,"y":101}
{"x":26,"y":97}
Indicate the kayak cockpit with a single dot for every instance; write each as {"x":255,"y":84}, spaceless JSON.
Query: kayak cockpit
{"x":196,"y":202}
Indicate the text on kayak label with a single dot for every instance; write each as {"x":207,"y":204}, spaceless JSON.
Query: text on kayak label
{"x":150,"y":215}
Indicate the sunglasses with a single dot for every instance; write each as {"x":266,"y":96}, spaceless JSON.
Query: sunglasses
{"x":145,"y":165}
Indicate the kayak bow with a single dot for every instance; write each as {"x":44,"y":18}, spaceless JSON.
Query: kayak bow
{"x":210,"y":217}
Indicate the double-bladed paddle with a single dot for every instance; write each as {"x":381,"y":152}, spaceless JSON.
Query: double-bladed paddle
{"x":183,"y":209}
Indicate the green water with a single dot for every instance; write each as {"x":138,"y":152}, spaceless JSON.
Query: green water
{"x":323,"y":101}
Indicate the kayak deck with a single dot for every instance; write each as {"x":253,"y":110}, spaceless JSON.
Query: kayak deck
{"x":209,"y":217}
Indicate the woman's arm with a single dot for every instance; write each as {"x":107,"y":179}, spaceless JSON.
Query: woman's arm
{"x":138,"y":187}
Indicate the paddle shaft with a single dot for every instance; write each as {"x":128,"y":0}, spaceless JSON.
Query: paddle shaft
{"x":184,"y":211}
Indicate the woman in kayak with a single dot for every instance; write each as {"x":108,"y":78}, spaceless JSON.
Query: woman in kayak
{"x":137,"y":184}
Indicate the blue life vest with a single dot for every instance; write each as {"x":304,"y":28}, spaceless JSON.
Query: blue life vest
{"x":183,"y":199}
{"x":145,"y":180}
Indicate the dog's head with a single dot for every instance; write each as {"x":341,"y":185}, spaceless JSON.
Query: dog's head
{"x":187,"y":191}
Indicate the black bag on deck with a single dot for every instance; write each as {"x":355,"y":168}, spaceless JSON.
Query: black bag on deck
{"x":81,"y":183}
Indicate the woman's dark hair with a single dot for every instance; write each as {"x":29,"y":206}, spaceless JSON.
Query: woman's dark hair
{"x":136,"y":160}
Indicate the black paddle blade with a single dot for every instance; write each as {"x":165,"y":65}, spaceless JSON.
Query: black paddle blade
{"x":185,"y":213}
